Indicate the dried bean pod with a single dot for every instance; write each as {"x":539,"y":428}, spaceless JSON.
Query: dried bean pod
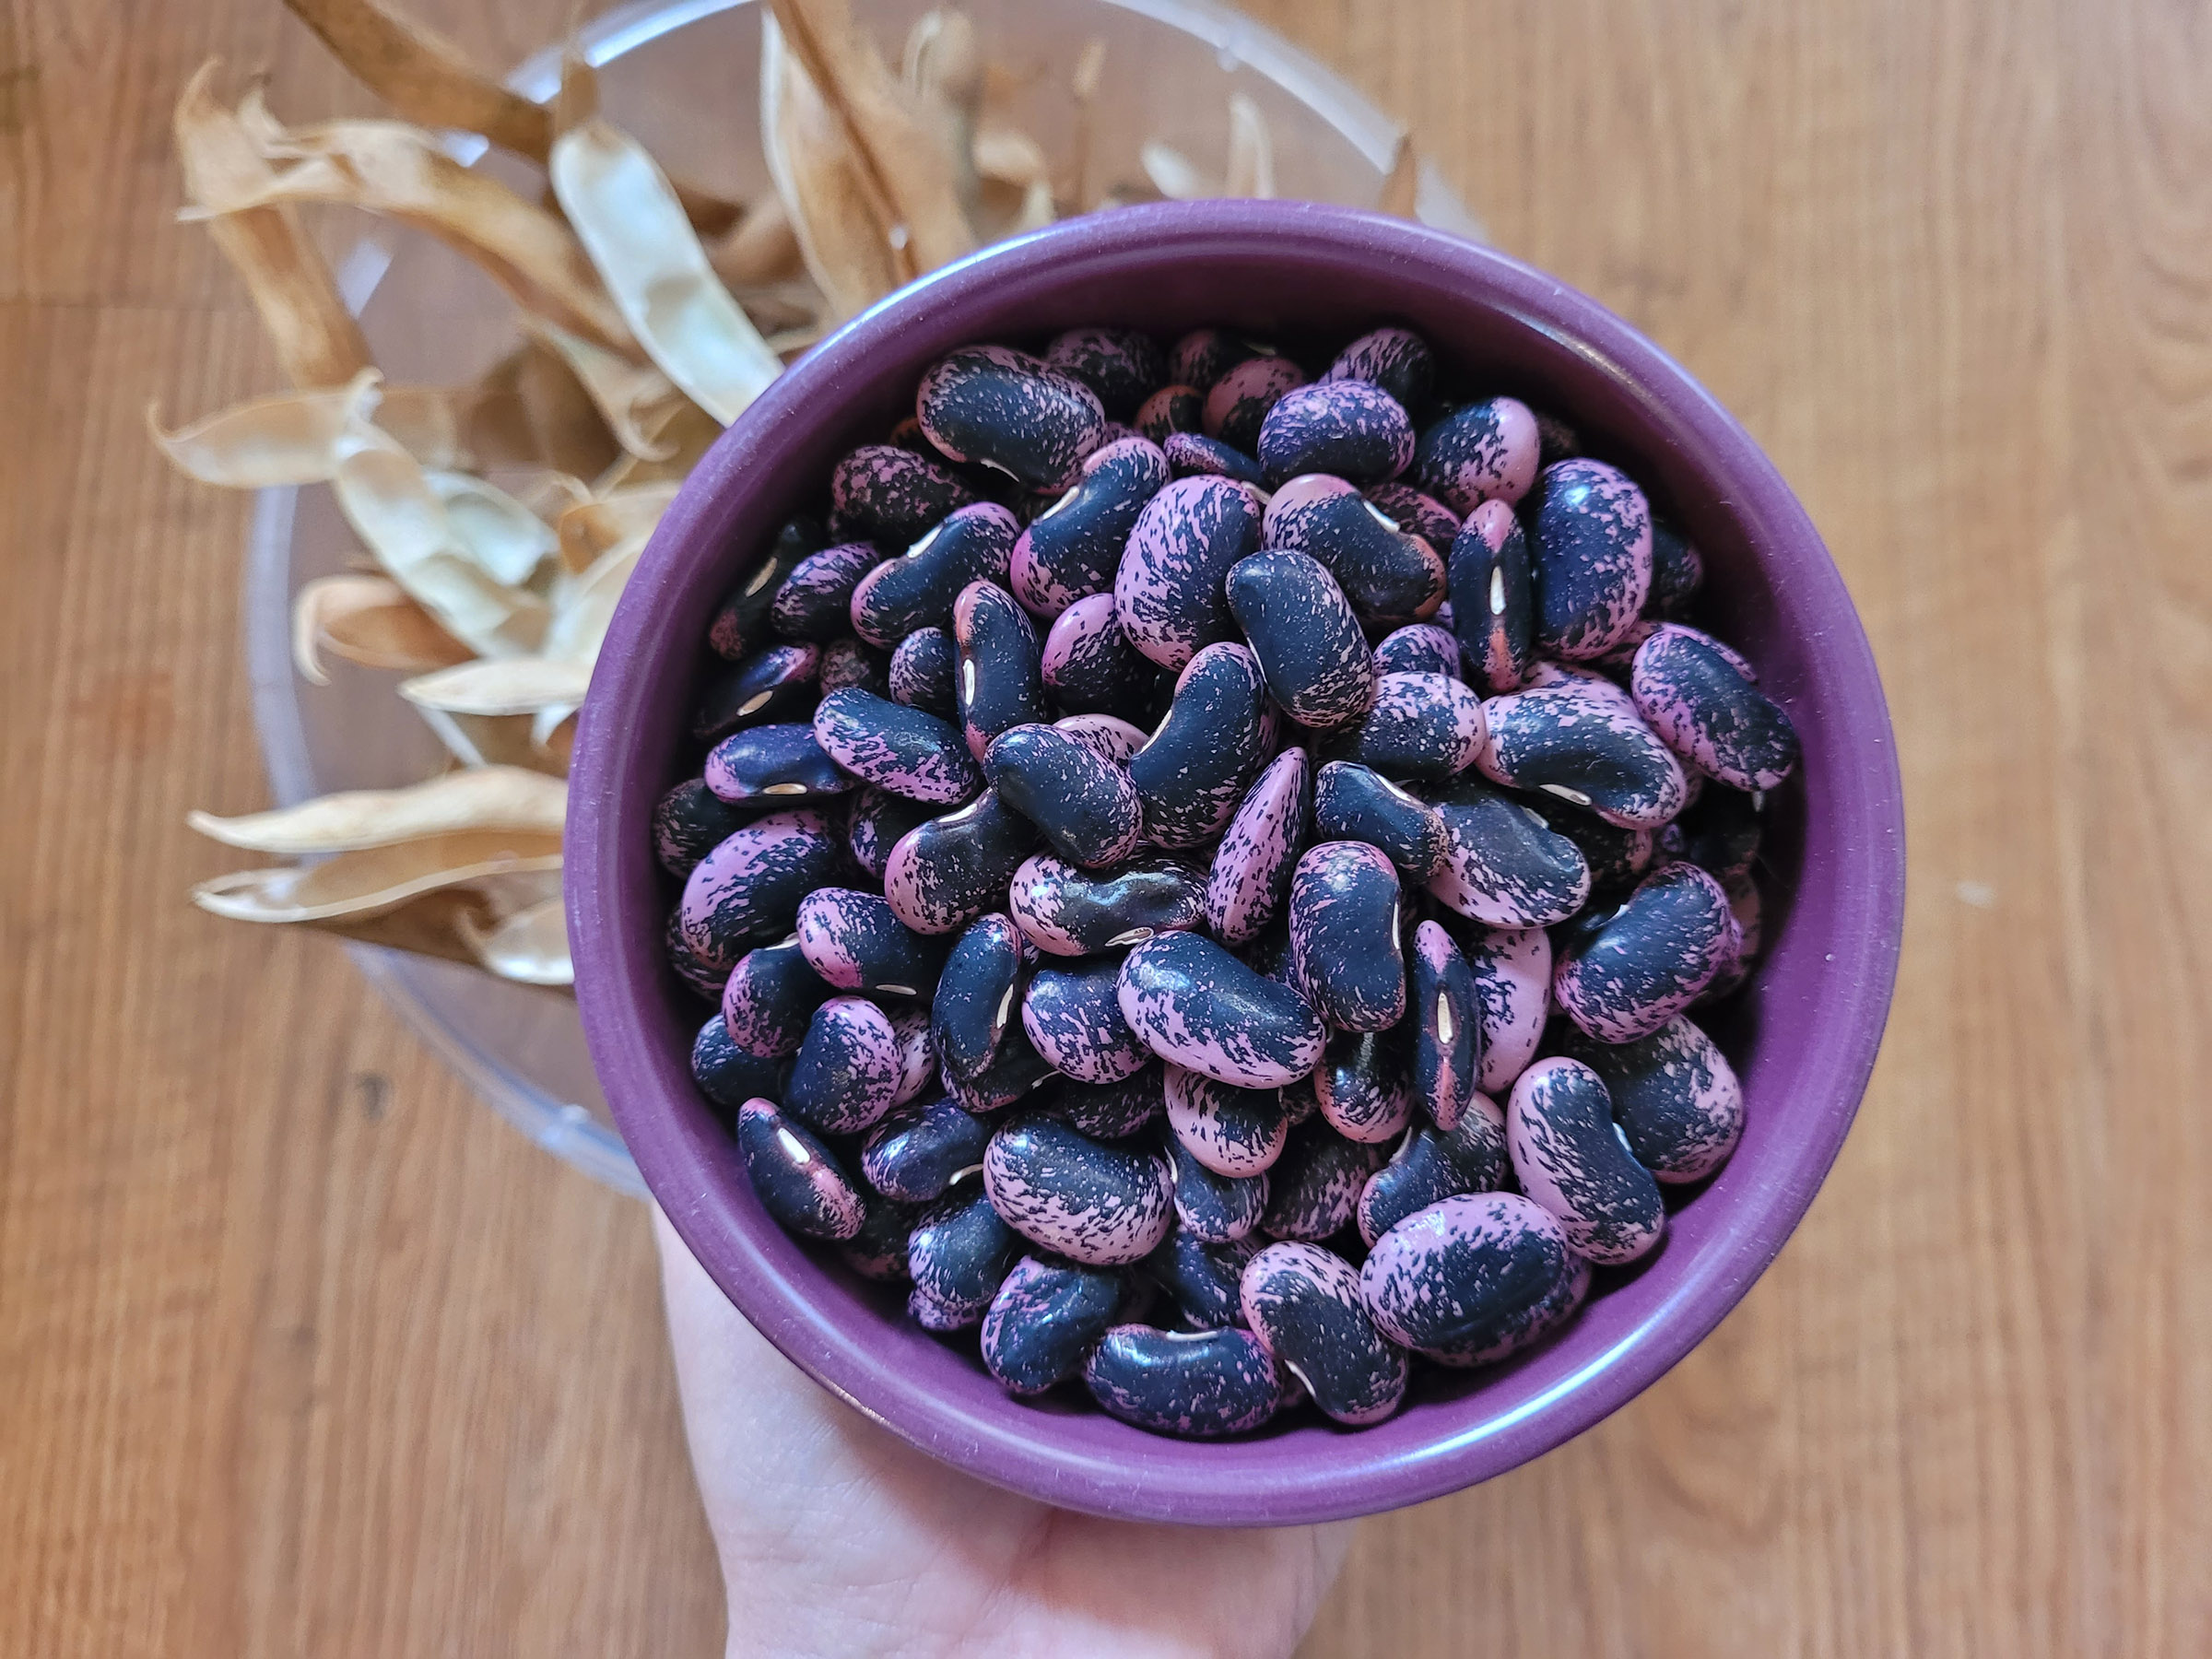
{"x":1076,"y":1196}
{"x":1709,"y":712}
{"x":726,"y":1074}
{"x":1344,"y":936}
{"x":1211,"y":1207}
{"x":1591,"y":544}
{"x":1199,"y":1008}
{"x":1171,"y":409}
{"x":1485,"y":451}
{"x":740,"y":621}
{"x":846,"y":1073}
{"x":1350,"y":428}
{"x":1354,"y":803}
{"x":1493,"y":598}
{"x":1467,"y":1276}
{"x":1396,"y":359}
{"x":922,"y":673}
{"x":1504,"y":865}
{"x":917,"y":1152}
{"x":1089,"y":665}
{"x":770,"y":997}
{"x":1085,"y":805}
{"x":1167,"y":590}
{"x":1447,"y":1014}
{"x":890,"y":494}
{"x":689,"y":822}
{"x":1201,"y":1384}
{"x":1417,"y":648}
{"x":798,"y":1181}
{"x":1309,"y":645}
{"x":1250,"y":875}
{"x":1120,"y":365}
{"x":856,"y":942}
{"x":1238,"y":403}
{"x":1073,"y":1017}
{"x":1589,"y":747}
{"x":1194,"y":455}
{"x":1071,"y":550}
{"x":958,"y":1252}
{"x":770,"y":686}
{"x":1064,"y":910}
{"x":1571,"y":1158}
{"x":1423,"y":725}
{"x":1233,"y":1131}
{"x":1304,"y":1304}
{"x":1359,"y":1086}
{"x":895,"y":747}
{"x":747,"y":892}
{"x":1315,"y":1187}
{"x":1390,"y":575}
{"x":1433,"y":1163}
{"x":1008,"y":411}
{"x":1647,"y":962}
{"x":1044,"y":1319}
{"x":946,"y":873}
{"x":1674,"y":1096}
{"x":919,"y":588}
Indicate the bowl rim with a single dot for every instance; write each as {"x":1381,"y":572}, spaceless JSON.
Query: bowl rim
{"x":618,"y":969}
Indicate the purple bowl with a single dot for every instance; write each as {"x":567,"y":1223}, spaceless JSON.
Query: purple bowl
{"x":1802,"y":1038}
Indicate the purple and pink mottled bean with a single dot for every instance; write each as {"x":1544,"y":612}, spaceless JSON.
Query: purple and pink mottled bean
{"x":1396,"y":359}
{"x":1171,"y":409}
{"x":1304,"y":1304}
{"x":1072,"y":1014}
{"x":1705,"y":708}
{"x":798,"y":1182}
{"x":1344,"y":935}
{"x":1361,"y":1086}
{"x":997,"y":687}
{"x":896,"y":748}
{"x":740,"y":621}
{"x":919,"y":587}
{"x":1569,"y":1157}
{"x":1045,"y":1318}
{"x":690,"y":821}
{"x":1512,"y":982}
{"x":1649,"y":961}
{"x":1422,"y":725}
{"x":1238,"y":403}
{"x":1168,"y":590}
{"x":1197,"y":1007}
{"x":1194,"y":455}
{"x":941,"y":874}
{"x":1009,"y":411}
{"x":1469,"y":1275}
{"x":1231,"y":1131}
{"x":921,"y":672}
{"x":1077,"y":1197}
{"x":1300,"y":627}
{"x":1211,"y":1207}
{"x":815,"y":602}
{"x":1447,"y":1022}
{"x":1201,"y":1384}
{"x":1085,"y":805}
{"x":1120,"y":365}
{"x":1417,"y":648}
{"x":846,"y":1073}
{"x":856,"y":941}
{"x":1071,"y":550}
{"x":1194,"y":769}
{"x":1590,"y":542}
{"x":773,"y":685}
{"x":917,"y":1152}
{"x":885,"y":492}
{"x":1485,"y":451}
{"x":747,"y":892}
{"x":958,"y":1252}
{"x":1067,"y":911}
{"x":771,"y":995}
{"x":1493,"y":598}
{"x":1391,"y":575}
{"x":1251,"y":868}
{"x":1351,"y":428}
{"x":1674,"y":1096}
{"x":1315,"y":1187}
{"x":1504,"y":865}
{"x":1432,"y":1163}
{"x":1589,"y":747}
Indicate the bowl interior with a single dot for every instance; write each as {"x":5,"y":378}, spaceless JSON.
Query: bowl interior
{"x":1802,"y":1038}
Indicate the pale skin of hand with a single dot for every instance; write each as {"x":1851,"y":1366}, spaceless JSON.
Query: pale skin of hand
{"x":836,"y":1537}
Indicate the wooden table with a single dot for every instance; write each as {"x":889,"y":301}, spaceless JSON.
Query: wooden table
{"x":303,"y":1351}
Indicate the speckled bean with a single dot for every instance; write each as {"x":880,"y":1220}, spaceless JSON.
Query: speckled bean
{"x":1237,"y":403}
{"x":1203,"y":356}
{"x":1211,"y":1208}
{"x":1071,"y":550}
{"x":799,"y":1182}
{"x":958,"y":1252}
{"x":1396,"y":359}
{"x":921,"y":671}
{"x":1432,"y":1163}
{"x":1483,"y":452}
{"x":1351,"y":428}
{"x":1304,"y":1304}
{"x":1469,"y":1275}
{"x":699,"y":975}
{"x":1197,"y":1007}
{"x":1569,"y":1157}
{"x":1493,"y":598}
{"x":1012,"y":413}
{"x":890,"y":494}
{"x":1196,"y":766}
{"x":1084,"y":804}
{"x":919,"y":587}
{"x":1709,"y":712}
{"x":1168,"y":592}
{"x":977,"y":991}
{"x":774,"y":763}
{"x":747,"y":890}
{"x":878,"y":1251}
{"x":846,"y":1073}
{"x":997,"y":686}
{"x":1194,"y":455}
{"x":1447,"y":1021}
{"x":1674,"y":1096}
{"x":1064,"y":910}
{"x":1504,"y":865}
{"x":1423,"y":725}
{"x":1354,"y":803}
{"x":1513,"y":982}
{"x":849,"y":662}
{"x":1417,"y":648}
{"x":1590,"y":542}
{"x":856,"y":942}
{"x":1231,"y":1131}
{"x":1120,"y":365}
{"x":1044,"y":1319}
{"x":1015,"y":1070}
{"x":1415,"y":514}
{"x":916,"y":1152}
{"x":1361,"y":1086}
{"x":941,"y":874}
{"x":1677,"y":572}
{"x":1108,"y":735}
{"x":1315,"y":1185}
{"x":1080,"y":1198}
{"x":1201,"y":1384}
{"x":728,"y":1075}
{"x":1072,"y":1013}
{"x":815,"y":602}
{"x":1250,"y":875}
{"x":897,"y":748}
{"x":1089,"y":666}
{"x":1648,"y":962}
{"x":1617,"y":857}
{"x":1391,"y":575}
{"x":1110,"y":1111}
{"x":740,"y":621}
{"x":776,"y":684}
{"x":1589,"y":747}
{"x":1171,"y":409}
{"x":771,"y":995}
{"x":1344,"y":935}
{"x":689,"y":822}
{"x":878,"y":819}
{"x":1309,"y":645}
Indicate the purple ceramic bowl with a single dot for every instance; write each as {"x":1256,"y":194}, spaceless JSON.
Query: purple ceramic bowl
{"x":1802,"y":1038}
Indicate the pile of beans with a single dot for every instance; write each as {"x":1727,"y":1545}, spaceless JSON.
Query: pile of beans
{"x":1173,"y":1062}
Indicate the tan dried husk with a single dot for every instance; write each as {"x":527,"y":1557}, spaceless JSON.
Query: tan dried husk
{"x":588,"y":529}
{"x":1401,"y":185}
{"x":531,"y":947}
{"x":562,"y":427}
{"x":943,"y":66}
{"x":633,"y":399}
{"x":401,"y":173}
{"x":841,"y":231}
{"x":499,"y":740}
{"x":267,"y":443}
{"x":507,"y":540}
{"x":376,"y":880}
{"x":501,"y":686}
{"x":318,"y":343}
{"x":370,"y":620}
{"x":759,"y":250}
{"x":620,"y":204}
{"x":1174,"y":174}
{"x":486,"y":799}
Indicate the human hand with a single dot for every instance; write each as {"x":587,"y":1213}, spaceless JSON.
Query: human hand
{"x":836,"y":1537}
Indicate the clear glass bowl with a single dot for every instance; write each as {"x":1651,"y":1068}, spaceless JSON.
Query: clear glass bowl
{"x":684,"y":79}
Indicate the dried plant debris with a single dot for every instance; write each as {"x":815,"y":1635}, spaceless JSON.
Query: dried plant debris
{"x":1401,"y":185}
{"x":500,"y":518}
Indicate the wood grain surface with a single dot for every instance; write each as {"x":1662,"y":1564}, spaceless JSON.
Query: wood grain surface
{"x":303,"y":1351}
